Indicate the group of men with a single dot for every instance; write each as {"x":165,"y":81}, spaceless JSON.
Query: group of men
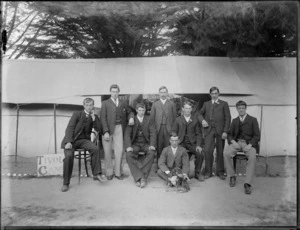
{"x":173,"y":140}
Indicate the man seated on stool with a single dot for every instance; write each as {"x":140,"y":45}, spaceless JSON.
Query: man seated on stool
{"x":78,"y":136}
{"x":243,"y":136}
{"x":171,"y":157}
{"x":140,"y":143}
{"x":190,"y":137}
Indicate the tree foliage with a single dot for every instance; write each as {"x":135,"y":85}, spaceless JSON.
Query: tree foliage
{"x":136,"y":29}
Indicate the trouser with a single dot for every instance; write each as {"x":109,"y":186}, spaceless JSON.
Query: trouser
{"x":191,"y":148}
{"x":251,"y":155}
{"x":68,"y":161}
{"x":140,"y":166}
{"x":210,"y":141}
{"x":116,"y":141}
{"x":163,"y":175}
{"x":163,"y":140}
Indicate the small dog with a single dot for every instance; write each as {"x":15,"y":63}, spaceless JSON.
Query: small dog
{"x":179,"y":180}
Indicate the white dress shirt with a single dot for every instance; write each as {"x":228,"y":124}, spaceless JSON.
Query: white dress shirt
{"x":115,"y":101}
{"x":174,"y":150}
{"x":163,"y":101}
{"x":243,"y":118}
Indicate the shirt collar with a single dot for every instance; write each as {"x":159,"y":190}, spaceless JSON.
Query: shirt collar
{"x":115,"y":101}
{"x":216,"y":101}
{"x":174,"y":149}
{"x":243,"y":118}
{"x":187,"y":118}
{"x":86,"y":112}
{"x":163,"y":101}
{"x":140,"y":118}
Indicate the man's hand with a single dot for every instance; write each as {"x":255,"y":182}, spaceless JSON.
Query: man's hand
{"x":151,"y":148}
{"x":68,"y":145}
{"x":106,"y":136}
{"x":224,"y":135}
{"x":131,"y":121}
{"x":235,"y":144}
{"x":204,"y":124}
{"x":93,"y":115}
{"x":129,"y":149}
{"x":247,"y":148}
{"x":167,"y":172}
{"x":198,"y":149}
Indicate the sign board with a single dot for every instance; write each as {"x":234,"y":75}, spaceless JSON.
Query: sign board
{"x":50,"y":164}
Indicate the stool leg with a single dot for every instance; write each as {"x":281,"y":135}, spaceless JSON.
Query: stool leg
{"x":79,"y":166}
{"x":85,"y":163}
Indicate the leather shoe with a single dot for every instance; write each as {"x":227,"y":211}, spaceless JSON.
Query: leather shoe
{"x":232,"y":181}
{"x":138,"y":183}
{"x":207,"y":176}
{"x":110,"y":177}
{"x":65,"y":188}
{"x":222,"y":177}
{"x":119,"y":177}
{"x":143,"y":183}
{"x":100,"y":177}
{"x":125,"y":175}
{"x":199,"y":178}
{"x":247,"y":188}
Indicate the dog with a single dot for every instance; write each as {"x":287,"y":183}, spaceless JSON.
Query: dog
{"x":179,"y":180}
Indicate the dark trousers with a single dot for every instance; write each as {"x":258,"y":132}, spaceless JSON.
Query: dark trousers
{"x":140,"y":165}
{"x":211,"y":141}
{"x":191,"y":148}
{"x":69,"y":158}
{"x":163,"y":140}
{"x":163,"y":175}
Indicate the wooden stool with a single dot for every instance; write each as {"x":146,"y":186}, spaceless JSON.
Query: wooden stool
{"x":82,"y":153}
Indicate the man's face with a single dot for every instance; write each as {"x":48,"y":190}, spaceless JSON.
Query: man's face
{"x":187,"y":109}
{"x":88,"y":106}
{"x":163,"y":93}
{"x":140,"y":111}
{"x":114,"y":93}
{"x":174,"y":142}
{"x":241,"y":110}
{"x":214,"y":95}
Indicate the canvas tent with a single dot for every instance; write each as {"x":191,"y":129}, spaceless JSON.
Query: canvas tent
{"x":47,"y":91}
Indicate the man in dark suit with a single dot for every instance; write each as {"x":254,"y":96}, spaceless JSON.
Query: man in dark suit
{"x":140,"y":143}
{"x":190,"y":137}
{"x":243,"y":136}
{"x":78,"y":135}
{"x":215,"y":119}
{"x":113,"y":116}
{"x":163,"y":114}
{"x":171,"y":157}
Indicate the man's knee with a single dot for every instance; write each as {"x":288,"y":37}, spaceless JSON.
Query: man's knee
{"x":252,"y":154}
{"x":69,"y":153}
{"x":151,"y":153}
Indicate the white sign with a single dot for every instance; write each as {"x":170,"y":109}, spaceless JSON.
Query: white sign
{"x":50,"y":164}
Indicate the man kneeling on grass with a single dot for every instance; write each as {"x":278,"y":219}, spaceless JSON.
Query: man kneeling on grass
{"x":243,"y":136}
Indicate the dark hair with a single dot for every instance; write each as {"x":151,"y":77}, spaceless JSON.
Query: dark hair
{"x":239,"y":103}
{"x":187,"y":103}
{"x":213,"y":89}
{"x":173,"y":134}
{"x":162,"y":87}
{"x":140,"y":105}
{"x":88,"y":100}
{"x":114,"y":86}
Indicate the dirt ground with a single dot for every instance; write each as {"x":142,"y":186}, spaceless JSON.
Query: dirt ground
{"x":31,"y":201}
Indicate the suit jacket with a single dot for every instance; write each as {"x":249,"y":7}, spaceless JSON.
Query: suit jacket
{"x":222,"y":116}
{"x":193,"y":130}
{"x":108,"y":115}
{"x":76,"y":126}
{"x":156,"y":114}
{"x":168,"y":161}
{"x":250,"y":130}
{"x":149,"y":132}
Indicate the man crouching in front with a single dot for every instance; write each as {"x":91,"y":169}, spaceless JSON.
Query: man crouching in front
{"x":78,"y":135}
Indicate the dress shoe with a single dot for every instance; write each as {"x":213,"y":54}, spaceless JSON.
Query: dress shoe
{"x":125,"y":175}
{"x":222,"y":176}
{"x":143,"y":183}
{"x":119,"y":177}
{"x":199,"y":178}
{"x":247,"y":188}
{"x":100,"y":177}
{"x":207,"y":176}
{"x":138,"y":183}
{"x":232,"y":181}
{"x":65,"y":188}
{"x":110,"y":177}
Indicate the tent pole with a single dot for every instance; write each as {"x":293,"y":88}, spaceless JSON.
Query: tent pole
{"x":261,"y":119}
{"x":17,"y":134}
{"x":55,"y":147}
